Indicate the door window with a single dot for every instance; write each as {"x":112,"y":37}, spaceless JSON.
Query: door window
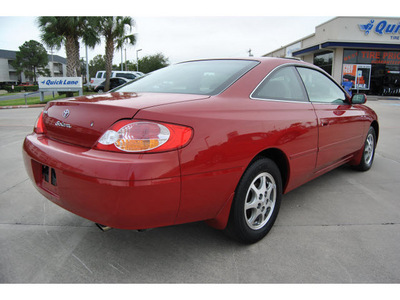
{"x":320,"y":88}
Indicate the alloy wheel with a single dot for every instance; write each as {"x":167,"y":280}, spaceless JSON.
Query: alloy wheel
{"x":260,"y":201}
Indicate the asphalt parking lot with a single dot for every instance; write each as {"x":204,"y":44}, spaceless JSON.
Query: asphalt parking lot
{"x":343,"y":227}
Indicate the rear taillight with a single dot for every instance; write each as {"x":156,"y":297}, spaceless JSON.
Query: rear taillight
{"x":39,"y":125}
{"x":144,"y":136}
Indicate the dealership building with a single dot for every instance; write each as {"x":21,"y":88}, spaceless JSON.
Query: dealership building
{"x":361,"y":53}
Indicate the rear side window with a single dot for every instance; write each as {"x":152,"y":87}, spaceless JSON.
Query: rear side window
{"x":282,"y":84}
{"x":321,"y":88}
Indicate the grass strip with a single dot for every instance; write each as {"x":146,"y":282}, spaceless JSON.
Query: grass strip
{"x":36,"y":100}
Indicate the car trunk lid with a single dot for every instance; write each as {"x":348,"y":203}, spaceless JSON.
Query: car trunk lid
{"x":82,"y":120}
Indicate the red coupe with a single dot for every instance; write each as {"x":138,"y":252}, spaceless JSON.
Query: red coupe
{"x":217,"y":140}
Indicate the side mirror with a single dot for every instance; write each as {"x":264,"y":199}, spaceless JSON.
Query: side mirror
{"x":358,"y":99}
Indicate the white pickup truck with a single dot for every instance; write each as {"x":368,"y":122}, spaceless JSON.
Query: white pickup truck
{"x":101,"y":76}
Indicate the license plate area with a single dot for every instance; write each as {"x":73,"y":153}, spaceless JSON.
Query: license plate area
{"x":49,"y":175}
{"x":49,"y":179}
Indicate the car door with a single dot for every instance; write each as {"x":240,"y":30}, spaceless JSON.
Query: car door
{"x":340,"y":124}
{"x":294,"y":124}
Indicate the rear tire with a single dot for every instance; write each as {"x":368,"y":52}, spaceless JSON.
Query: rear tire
{"x":368,"y":152}
{"x":256,"y":203}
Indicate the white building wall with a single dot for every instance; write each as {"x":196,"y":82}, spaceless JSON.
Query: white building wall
{"x":347,"y":29}
{"x":308,"y":58}
{"x":337,"y":64}
{"x":4,"y":74}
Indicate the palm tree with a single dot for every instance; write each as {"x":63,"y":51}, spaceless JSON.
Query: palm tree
{"x":57,"y":31}
{"x":114,"y":30}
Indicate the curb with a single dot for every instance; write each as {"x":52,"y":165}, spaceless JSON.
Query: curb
{"x":22,"y":106}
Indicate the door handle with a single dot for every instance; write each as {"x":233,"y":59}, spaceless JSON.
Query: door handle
{"x":324,"y":122}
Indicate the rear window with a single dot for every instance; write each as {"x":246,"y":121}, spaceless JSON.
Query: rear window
{"x":208,"y":77}
{"x":125,"y":75}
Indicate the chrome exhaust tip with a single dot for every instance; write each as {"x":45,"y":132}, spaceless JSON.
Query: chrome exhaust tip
{"x":103,"y":228}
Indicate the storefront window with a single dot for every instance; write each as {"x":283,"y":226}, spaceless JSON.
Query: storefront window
{"x":372,"y":71}
{"x":324,"y":61}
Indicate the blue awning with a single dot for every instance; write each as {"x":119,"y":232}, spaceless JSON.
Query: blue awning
{"x":347,"y":45}
{"x":306,"y":50}
{"x":360,"y":45}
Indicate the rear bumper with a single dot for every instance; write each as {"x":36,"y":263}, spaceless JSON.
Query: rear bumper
{"x":120,"y":190}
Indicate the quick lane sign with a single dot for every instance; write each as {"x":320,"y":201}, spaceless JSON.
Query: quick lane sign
{"x":382,"y":28}
{"x":60,"y":82}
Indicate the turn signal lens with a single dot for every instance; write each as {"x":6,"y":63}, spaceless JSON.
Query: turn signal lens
{"x":39,"y":125}
{"x":143,"y":136}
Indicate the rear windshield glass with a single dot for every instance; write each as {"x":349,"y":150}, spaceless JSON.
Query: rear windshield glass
{"x":125,"y":75}
{"x":208,"y":77}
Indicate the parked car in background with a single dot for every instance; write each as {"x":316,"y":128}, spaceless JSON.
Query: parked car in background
{"x":114,"y":82}
{"x":101,"y":76}
{"x":216,"y":140}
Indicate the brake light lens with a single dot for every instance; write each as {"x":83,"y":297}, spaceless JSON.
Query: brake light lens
{"x":144,"y":136}
{"x":39,"y":125}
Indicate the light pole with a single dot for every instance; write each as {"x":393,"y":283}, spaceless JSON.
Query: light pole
{"x":87,"y":66}
{"x":137,"y":60}
{"x":52,"y":62}
{"x":122,"y":58}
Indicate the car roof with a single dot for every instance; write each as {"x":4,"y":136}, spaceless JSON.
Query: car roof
{"x":264,"y":60}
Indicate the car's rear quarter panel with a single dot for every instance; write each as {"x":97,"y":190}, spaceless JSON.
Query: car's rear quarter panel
{"x":229,"y":132}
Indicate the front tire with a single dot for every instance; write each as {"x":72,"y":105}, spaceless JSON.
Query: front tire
{"x":368,"y":152}
{"x":256,"y":203}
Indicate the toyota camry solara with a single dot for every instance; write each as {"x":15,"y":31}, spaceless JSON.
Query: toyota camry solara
{"x":216,"y":140}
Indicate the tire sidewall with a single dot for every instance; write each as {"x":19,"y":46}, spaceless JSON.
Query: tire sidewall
{"x":238,"y":225}
{"x":364,"y":166}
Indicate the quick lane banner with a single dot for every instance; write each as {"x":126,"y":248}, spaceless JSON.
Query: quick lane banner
{"x":59,"y":82}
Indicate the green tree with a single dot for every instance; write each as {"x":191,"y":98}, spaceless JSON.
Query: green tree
{"x":151,"y":63}
{"x":31,"y":59}
{"x":58,"y":31}
{"x":82,"y":63}
{"x":114,"y":30}
{"x":147,"y":64}
{"x":127,"y":66}
{"x":98,"y":63}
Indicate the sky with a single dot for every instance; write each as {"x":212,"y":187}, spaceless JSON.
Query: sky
{"x":205,"y":29}
{"x":184,"y":38}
